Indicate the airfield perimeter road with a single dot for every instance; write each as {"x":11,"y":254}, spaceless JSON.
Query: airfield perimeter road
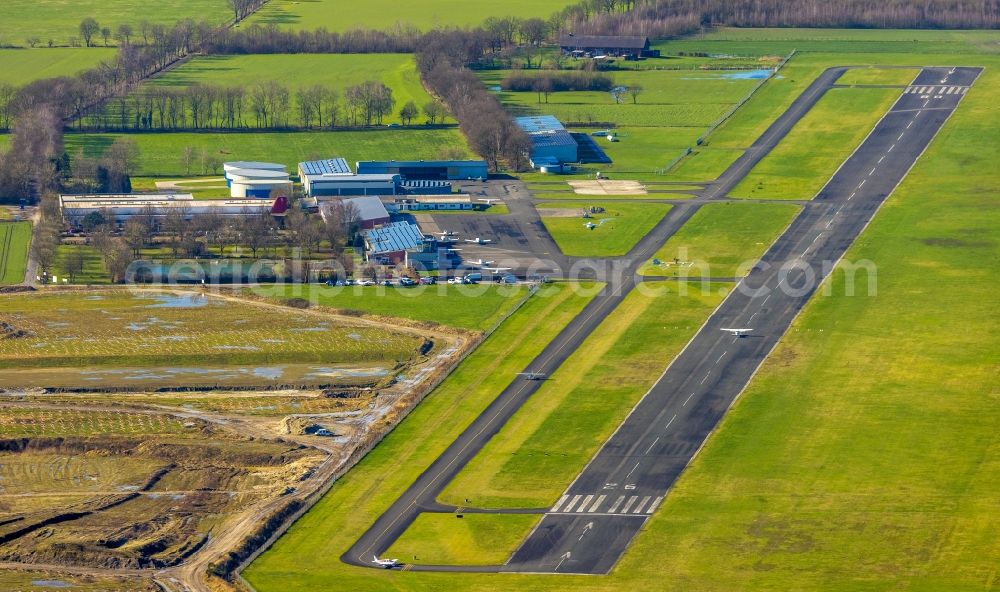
{"x":589,"y":528}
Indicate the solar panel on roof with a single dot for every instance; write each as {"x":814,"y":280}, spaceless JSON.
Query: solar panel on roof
{"x":329,"y":166}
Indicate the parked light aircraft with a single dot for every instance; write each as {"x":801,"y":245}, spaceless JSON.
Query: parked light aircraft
{"x":478,"y":241}
{"x":386,"y":563}
{"x":480,"y":262}
{"x":532,"y":375}
{"x":738,"y":332}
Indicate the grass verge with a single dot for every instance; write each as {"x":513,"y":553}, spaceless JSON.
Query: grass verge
{"x":616,"y":230}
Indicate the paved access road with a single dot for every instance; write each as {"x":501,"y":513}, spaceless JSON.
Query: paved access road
{"x":592,"y":524}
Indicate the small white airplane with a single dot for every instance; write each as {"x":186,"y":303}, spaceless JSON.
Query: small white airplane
{"x":590,"y":225}
{"x":738,"y":332}
{"x":497,"y":269}
{"x":489,"y":201}
{"x":453,"y":250}
{"x":445,"y":233}
{"x":447,"y":239}
{"x":479,"y":241}
{"x":532,"y":375}
{"x":386,"y":563}
{"x":481,"y":263}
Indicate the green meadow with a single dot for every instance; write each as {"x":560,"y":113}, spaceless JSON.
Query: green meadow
{"x":864,"y":76}
{"x":21,"y":66}
{"x":15,"y":237}
{"x":722,"y":240}
{"x":387,"y":15}
{"x":473,"y":539}
{"x":616,"y":230}
{"x":59,"y":20}
{"x":161,"y":153}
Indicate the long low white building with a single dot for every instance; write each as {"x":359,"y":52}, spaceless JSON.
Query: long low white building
{"x":121,"y":207}
{"x":256,"y":179}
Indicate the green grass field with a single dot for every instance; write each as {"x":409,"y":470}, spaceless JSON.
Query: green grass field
{"x":161,"y":154}
{"x":898,"y":76}
{"x":807,"y":157}
{"x":119,"y":329}
{"x":388,"y":15}
{"x":21,"y":66}
{"x":477,"y":307}
{"x":474,"y":539}
{"x":722,"y":240}
{"x":862,"y":457}
{"x":15,"y":237}
{"x":59,"y":20}
{"x":549,"y":440}
{"x":294,"y":71}
{"x":618,"y":228}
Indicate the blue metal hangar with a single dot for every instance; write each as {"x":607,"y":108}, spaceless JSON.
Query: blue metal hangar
{"x":426,"y":170}
{"x":550,"y":141}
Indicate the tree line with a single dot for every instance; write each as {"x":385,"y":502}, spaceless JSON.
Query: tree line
{"x":546,"y":82}
{"x":264,"y":105}
{"x":488,"y":128}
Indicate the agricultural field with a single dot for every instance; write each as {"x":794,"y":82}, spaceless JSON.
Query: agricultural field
{"x":539,"y":451}
{"x":388,"y":15}
{"x":15,"y":238}
{"x":722,"y":240}
{"x":477,"y":307}
{"x":616,"y":230}
{"x":59,"y":21}
{"x":21,"y":66}
{"x":160,"y":155}
{"x":99,"y":339}
{"x":57,"y":581}
{"x":854,"y":441}
{"x":809,"y":155}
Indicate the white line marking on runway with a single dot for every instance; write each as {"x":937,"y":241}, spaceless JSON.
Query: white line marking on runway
{"x":706,"y":377}
{"x":561,"y":501}
{"x":927,"y":101}
{"x":684,"y":404}
{"x":572,"y":502}
{"x":724,"y":353}
{"x":964,"y":88}
{"x":584,"y":503}
{"x":900,"y":136}
{"x":653,"y":444}
{"x":597,"y":503}
{"x":629,"y":503}
{"x":670,"y":422}
{"x":852,"y":195}
{"x":819,"y":235}
{"x":862,"y":183}
{"x":765,"y":300}
{"x":871,"y":172}
{"x":642,"y":504}
{"x":893,"y":146}
{"x":881,"y":159}
{"x":632,"y":471}
{"x":656,"y":504}
{"x":614,"y":506}
{"x":751,"y":318}
{"x":829,"y":223}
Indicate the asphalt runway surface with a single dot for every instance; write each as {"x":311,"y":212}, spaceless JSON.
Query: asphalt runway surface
{"x":592,"y":524}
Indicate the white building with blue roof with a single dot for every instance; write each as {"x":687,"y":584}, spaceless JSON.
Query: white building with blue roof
{"x":550,"y":141}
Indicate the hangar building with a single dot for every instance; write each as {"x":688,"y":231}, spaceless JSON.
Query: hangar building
{"x":426,"y":170}
{"x":550,"y":141}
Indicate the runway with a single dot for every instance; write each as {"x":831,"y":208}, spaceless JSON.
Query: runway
{"x":591,"y":525}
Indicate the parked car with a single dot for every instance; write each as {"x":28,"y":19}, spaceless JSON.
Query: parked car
{"x":406,"y":281}
{"x":428,"y":280}
{"x":386,"y":282}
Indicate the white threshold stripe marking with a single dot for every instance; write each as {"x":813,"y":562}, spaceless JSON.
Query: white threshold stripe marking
{"x":642,"y":504}
{"x":559,"y":503}
{"x":653,"y":444}
{"x":597,"y":503}
{"x":656,"y":504}
{"x":584,"y":503}
{"x":614,"y":506}
{"x":572,"y":502}
{"x":629,"y":504}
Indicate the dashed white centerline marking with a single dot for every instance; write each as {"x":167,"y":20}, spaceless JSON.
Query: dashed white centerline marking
{"x":667,"y":426}
{"x":684,"y":404}
{"x":881,"y":159}
{"x":751,"y":318}
{"x":900,"y":136}
{"x":871,"y":172}
{"x":765,"y":300}
{"x":862,"y":183}
{"x":706,"y":377}
{"x":653,"y":444}
{"x":633,"y":469}
{"x":724,"y":353}
{"x":893,"y":146}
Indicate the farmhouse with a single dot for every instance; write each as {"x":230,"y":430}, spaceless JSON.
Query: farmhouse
{"x":432,"y":170}
{"x":121,"y":207}
{"x":393,"y":242}
{"x":551,"y":143}
{"x":626,"y":46}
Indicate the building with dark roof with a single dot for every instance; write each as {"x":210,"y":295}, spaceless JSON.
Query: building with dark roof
{"x":549,"y":139}
{"x":431,"y":170}
{"x":626,"y":46}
